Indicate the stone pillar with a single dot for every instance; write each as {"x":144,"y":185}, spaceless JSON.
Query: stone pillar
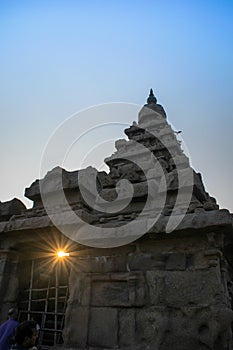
{"x":8,"y":281}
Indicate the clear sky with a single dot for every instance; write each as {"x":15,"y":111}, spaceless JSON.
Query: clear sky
{"x":58,"y":57}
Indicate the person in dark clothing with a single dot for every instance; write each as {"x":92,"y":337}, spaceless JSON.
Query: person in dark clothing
{"x":25,"y":336}
{"x":7,"y":329}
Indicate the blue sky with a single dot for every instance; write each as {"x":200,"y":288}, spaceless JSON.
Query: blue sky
{"x":58,"y":57}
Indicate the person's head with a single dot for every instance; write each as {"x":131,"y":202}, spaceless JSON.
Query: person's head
{"x":13,"y":313}
{"x":26,"y":334}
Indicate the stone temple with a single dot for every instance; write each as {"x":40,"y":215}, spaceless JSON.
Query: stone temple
{"x":150,"y":263}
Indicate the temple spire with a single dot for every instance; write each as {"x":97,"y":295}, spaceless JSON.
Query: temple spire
{"x":151,"y":98}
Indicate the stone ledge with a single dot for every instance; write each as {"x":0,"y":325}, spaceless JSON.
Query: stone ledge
{"x":196,"y":221}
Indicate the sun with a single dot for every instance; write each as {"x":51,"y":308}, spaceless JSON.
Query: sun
{"x":62,"y":254}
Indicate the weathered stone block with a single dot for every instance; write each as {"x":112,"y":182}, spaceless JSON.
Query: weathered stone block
{"x":110,"y":252}
{"x":76,"y":326}
{"x":101,"y":264}
{"x":127,"y":327}
{"x":203,"y":260}
{"x":156,"y":284}
{"x":145,"y":261}
{"x":123,"y":289}
{"x":176,"y":261}
{"x":2,"y":265}
{"x":110,"y":293}
{"x":103,"y":327}
{"x":176,"y":288}
{"x":151,"y":325}
{"x":182,"y":330}
{"x":80,"y":289}
{"x":198,"y":328}
{"x":9,"y":288}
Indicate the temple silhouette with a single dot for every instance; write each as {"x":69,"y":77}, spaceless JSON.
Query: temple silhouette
{"x":148,"y":259}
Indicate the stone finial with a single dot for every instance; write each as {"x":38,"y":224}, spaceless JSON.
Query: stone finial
{"x":151,"y":98}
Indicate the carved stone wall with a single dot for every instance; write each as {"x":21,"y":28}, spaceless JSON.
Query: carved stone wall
{"x":154,"y":294}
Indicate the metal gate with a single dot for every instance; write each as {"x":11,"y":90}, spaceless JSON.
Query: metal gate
{"x":43,"y":298}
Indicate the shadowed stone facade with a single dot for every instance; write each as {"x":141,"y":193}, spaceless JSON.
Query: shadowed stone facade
{"x":165,"y":290}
